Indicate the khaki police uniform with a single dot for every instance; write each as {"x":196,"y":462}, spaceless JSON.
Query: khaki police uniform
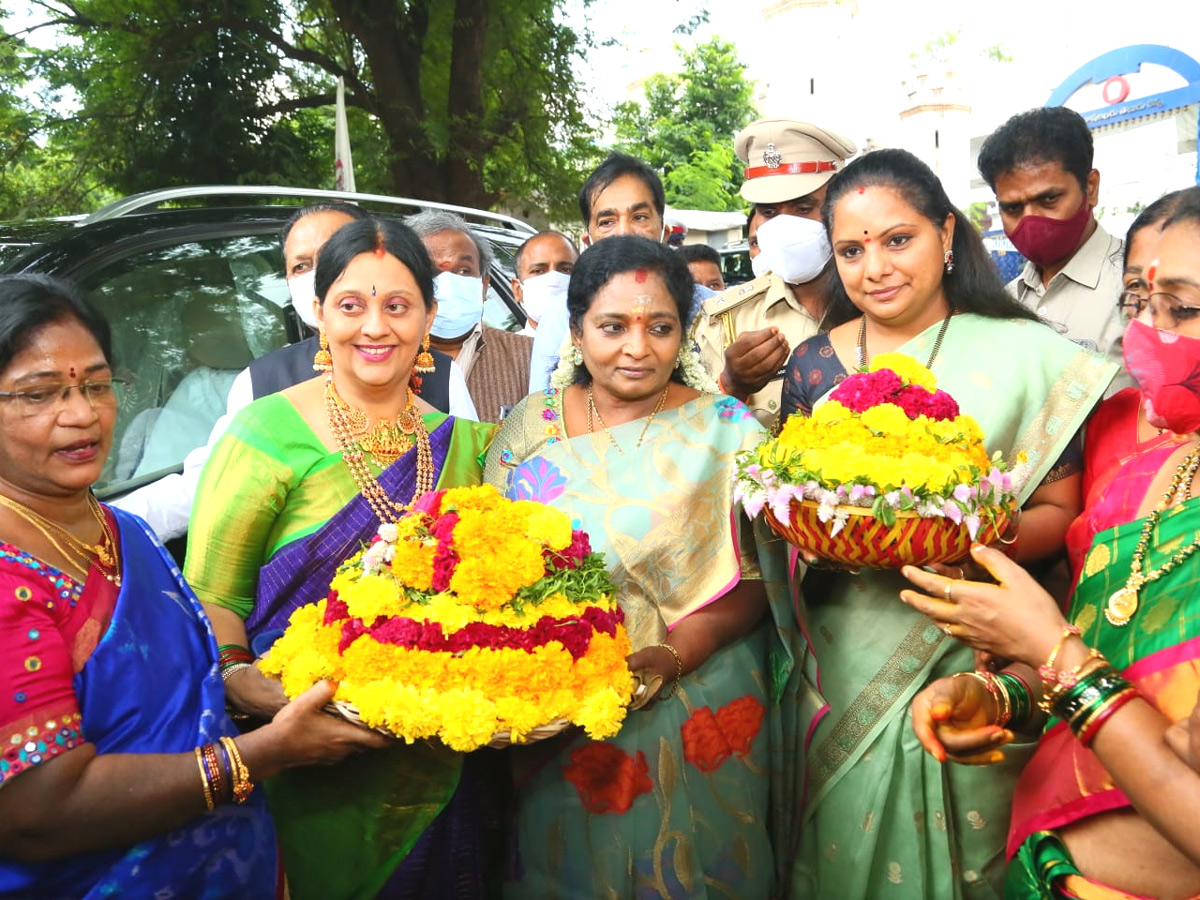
{"x":762,"y":303}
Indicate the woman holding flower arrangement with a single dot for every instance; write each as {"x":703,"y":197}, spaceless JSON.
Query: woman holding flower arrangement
{"x":629,"y":442}
{"x":1106,"y":806}
{"x":914,"y":279}
{"x":299,"y":482}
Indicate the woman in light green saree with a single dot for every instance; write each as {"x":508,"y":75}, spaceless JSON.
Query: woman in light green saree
{"x":879,"y":817}
{"x":676,"y":805}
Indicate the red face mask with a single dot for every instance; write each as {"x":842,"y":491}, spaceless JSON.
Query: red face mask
{"x":1043,"y":240}
{"x":1166,"y":366}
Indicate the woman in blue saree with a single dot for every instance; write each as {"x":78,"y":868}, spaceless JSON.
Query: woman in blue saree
{"x":676,"y":805}
{"x":299,"y":482}
{"x":118,"y":774}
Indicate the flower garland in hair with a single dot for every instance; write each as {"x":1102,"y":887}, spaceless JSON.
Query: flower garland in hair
{"x":695,"y":374}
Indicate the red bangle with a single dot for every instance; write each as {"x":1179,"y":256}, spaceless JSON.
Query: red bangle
{"x":1088,"y":734}
{"x":721,"y":384}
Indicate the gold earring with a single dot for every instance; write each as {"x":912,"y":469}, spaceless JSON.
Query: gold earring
{"x":425,"y":363}
{"x":323,"y":361}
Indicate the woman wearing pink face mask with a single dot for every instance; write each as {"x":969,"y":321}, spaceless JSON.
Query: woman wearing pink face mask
{"x":1105,"y":808}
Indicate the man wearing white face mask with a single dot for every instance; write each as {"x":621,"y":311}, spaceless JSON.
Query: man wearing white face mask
{"x":746,"y":333}
{"x":496,"y":362}
{"x":543,"y":264}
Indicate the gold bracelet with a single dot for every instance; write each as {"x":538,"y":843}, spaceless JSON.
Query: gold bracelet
{"x":208,"y":794}
{"x":1012,"y":540}
{"x":996,"y":689}
{"x":240,"y":775}
{"x":670,"y":692}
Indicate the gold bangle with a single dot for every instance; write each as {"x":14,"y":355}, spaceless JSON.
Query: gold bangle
{"x":208,"y":793}
{"x":670,"y":692}
{"x":240,"y":775}
{"x":1012,"y":540}
{"x":214,"y":771}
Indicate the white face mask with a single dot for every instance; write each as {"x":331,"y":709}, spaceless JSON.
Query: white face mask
{"x":793,"y":248}
{"x":303,"y":290}
{"x":460,"y":305}
{"x":543,"y":292}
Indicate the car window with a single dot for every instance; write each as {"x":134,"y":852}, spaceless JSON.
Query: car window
{"x":498,"y":305}
{"x":735,"y":267}
{"x":185,"y":320}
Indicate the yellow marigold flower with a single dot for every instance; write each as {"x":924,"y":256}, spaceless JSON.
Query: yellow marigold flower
{"x":887,"y":419}
{"x":909,"y":370}
{"x":370,"y":597}
{"x":602,"y":713}
{"x":412,"y":564}
{"x":830,"y":412}
{"x":479,"y":498}
{"x":548,"y":526}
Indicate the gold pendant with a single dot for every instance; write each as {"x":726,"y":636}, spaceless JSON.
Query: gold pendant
{"x":1121,"y":606}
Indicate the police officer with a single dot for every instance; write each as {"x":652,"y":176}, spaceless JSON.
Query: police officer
{"x":747,"y":332}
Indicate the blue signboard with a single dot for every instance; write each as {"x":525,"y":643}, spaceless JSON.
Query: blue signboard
{"x":1109,"y":67}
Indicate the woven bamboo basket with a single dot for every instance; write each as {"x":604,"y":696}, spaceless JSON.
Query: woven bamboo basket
{"x":499,"y":740}
{"x":866,"y":542}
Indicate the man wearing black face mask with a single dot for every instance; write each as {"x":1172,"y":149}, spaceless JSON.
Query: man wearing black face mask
{"x":1039,"y":164}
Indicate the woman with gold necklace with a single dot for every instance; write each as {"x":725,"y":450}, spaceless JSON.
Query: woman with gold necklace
{"x":630,"y":444}
{"x":914,"y":278}
{"x":1104,"y":808}
{"x":300,"y":481}
{"x":121,"y":773}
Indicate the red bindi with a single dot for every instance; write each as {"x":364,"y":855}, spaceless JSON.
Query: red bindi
{"x":862,"y":190}
{"x":866,"y":240}
{"x":71,"y":371}
{"x":640,"y":276}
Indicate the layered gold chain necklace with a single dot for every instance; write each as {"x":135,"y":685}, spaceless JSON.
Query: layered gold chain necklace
{"x":1124,"y":602}
{"x":385,"y":441}
{"x":79,"y":553}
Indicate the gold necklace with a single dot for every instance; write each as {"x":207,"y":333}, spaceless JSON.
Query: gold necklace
{"x":937,"y":343}
{"x":409,"y":422}
{"x":591,"y":410}
{"x":386,"y":440}
{"x":1124,"y":602}
{"x":79,"y":553}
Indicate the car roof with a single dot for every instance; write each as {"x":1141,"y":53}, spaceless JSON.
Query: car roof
{"x":64,"y":244}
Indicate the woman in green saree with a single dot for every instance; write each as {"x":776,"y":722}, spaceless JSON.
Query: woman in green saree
{"x":676,"y":805}
{"x":300,"y":480}
{"x":1105,"y":809}
{"x":878,"y":816}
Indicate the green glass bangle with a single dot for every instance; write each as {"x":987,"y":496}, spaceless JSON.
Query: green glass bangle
{"x":1018,"y":694}
{"x":1090,"y":692}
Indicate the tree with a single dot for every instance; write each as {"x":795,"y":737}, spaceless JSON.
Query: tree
{"x":686,"y":126}
{"x":466,"y":101}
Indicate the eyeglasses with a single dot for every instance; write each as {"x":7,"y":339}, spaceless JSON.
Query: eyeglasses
{"x":1167,"y":310}
{"x":50,"y":399}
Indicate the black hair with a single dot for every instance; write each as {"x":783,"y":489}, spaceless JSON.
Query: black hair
{"x":618,"y":165}
{"x":974,"y":287}
{"x":371,"y":235}
{"x":29,"y":303}
{"x":624,"y":253}
{"x":337,"y":206}
{"x":519,"y":256}
{"x":1044,"y":135}
{"x":691,"y":253}
{"x":1163,"y":212}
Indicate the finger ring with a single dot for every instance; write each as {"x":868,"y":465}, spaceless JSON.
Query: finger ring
{"x":962,"y":573}
{"x":946,"y":591}
{"x":948,"y":629}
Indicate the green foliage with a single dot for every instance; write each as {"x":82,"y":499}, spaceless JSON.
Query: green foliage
{"x":467,"y":101}
{"x":686,"y":126}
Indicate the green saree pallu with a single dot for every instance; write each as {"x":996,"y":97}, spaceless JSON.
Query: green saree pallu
{"x":1158,"y":651}
{"x":677,"y":804}
{"x":881,"y":817}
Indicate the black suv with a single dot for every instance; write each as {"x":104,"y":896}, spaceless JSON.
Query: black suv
{"x":193,"y":294}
